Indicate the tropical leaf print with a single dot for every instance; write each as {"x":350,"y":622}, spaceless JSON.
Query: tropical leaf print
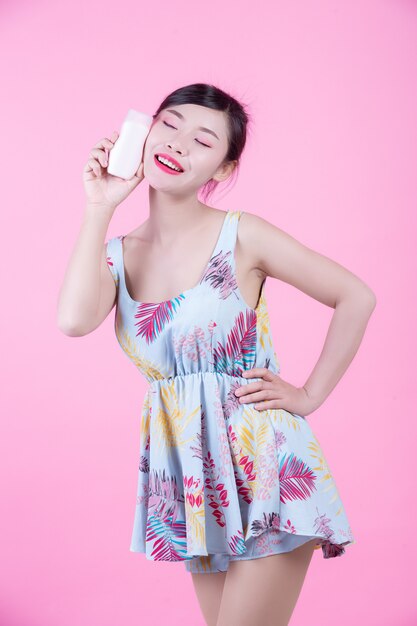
{"x":113,"y":269}
{"x":270,"y":521}
{"x":197,"y":448}
{"x":145,"y":435}
{"x":280,"y":438}
{"x":237,"y":543}
{"x":147,"y":368}
{"x":243,"y":442}
{"x":199,"y":442}
{"x":154,"y":317}
{"x":267,"y":473}
{"x":203,"y":564}
{"x":171,"y":421}
{"x":146,"y":414}
{"x":263,"y":329}
{"x":169,"y":538}
{"x":144,"y":464}
{"x":322,"y":525}
{"x":244,"y":487}
{"x":263,"y":323}
{"x":142,"y":497}
{"x":289,"y":527}
{"x":163,"y":488}
{"x":240,"y":350}
{"x":217,"y":496}
{"x":266,"y":543}
{"x":194,"y":513}
{"x":325,"y":474}
{"x":296,"y":479}
{"x":163,"y":528}
{"x":195,"y":345}
{"x":225,"y":466}
{"x":279,"y":415}
{"x":330,"y":549}
{"x":254,"y":449}
{"x":219,"y":274}
{"x":231,"y":404}
{"x":252,"y":431}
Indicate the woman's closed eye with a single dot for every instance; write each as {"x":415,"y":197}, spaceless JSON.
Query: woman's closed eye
{"x":200,"y":142}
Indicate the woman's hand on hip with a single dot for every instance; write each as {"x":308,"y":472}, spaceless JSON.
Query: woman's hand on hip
{"x":272,"y":392}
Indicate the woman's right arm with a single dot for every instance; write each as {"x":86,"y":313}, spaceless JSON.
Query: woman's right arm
{"x":88,"y":292}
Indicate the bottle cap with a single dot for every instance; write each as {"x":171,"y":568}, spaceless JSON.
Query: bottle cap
{"x":139,"y":118}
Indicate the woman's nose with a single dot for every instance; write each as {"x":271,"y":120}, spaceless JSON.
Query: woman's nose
{"x":176,"y":146}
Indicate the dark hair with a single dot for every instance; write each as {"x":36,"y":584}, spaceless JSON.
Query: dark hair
{"x":215,"y":98}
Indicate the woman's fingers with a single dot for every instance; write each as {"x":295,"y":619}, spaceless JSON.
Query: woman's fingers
{"x":93,"y":165}
{"x":104,"y":143}
{"x":99,"y":155}
{"x":107,"y":143}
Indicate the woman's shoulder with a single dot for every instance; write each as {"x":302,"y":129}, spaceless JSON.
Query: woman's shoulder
{"x":137,"y":236}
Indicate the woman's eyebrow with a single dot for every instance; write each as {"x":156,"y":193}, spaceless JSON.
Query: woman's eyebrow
{"x":206,"y":130}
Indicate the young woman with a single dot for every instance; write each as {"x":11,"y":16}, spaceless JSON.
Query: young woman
{"x":232,"y":480}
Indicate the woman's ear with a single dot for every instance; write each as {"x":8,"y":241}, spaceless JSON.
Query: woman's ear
{"x":224,"y":171}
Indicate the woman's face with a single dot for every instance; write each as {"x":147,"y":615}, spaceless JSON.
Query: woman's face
{"x":196,"y":137}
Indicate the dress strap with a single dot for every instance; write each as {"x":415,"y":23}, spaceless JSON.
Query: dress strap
{"x":229,"y":243}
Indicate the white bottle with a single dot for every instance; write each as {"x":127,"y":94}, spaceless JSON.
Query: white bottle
{"x":126,"y":154}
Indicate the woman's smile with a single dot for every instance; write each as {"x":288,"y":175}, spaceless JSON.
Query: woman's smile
{"x":166,"y":168}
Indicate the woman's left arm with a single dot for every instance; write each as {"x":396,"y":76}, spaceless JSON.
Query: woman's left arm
{"x":281,"y":256}
{"x":347,"y":327}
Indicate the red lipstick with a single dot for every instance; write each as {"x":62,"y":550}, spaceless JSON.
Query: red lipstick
{"x":166,"y":168}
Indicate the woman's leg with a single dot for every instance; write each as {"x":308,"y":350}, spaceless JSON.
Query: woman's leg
{"x":264,"y":590}
{"x":209,"y":589}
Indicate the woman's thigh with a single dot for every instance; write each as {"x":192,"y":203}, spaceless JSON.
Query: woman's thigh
{"x":209,"y":589}
{"x":264,"y":590}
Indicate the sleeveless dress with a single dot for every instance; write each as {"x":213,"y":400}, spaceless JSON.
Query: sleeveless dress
{"x":218,"y":479}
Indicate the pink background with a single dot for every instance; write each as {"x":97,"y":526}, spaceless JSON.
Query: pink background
{"x":331,"y":160}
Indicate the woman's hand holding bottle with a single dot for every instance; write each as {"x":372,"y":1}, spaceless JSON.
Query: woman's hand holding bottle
{"x":101,"y":188}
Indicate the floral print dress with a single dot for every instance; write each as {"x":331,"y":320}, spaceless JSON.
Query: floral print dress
{"x":218,"y":479}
